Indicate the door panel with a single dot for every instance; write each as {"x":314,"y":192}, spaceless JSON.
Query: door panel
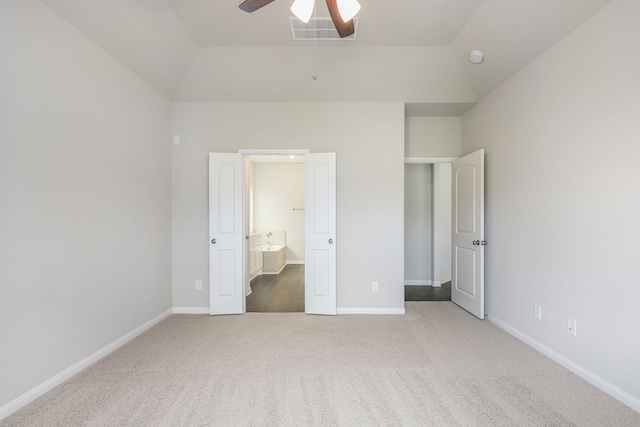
{"x":320,"y":233}
{"x":465,"y":219}
{"x":226,"y":275}
{"x":467,"y":275}
{"x":465,"y":259}
{"x":320,"y":268}
{"x":225,"y":234}
{"x":320,"y":198}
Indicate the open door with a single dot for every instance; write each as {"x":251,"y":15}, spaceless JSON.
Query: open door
{"x":320,"y":233}
{"x":467,"y":257}
{"x":226,"y":290}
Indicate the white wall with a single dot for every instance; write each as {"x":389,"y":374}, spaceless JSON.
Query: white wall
{"x":369,"y":141}
{"x":85,"y":198}
{"x":562,"y":217}
{"x":417,"y":74}
{"x":277,"y":190}
{"x":442,"y":204}
{"x":433,"y":136}
{"x":427,"y":240}
{"x":145,"y":35}
{"x":418,"y":223}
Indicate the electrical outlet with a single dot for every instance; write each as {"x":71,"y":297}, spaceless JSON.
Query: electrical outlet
{"x":198,"y":285}
{"x":571,"y":326}
{"x":537,"y":311}
{"x":374,"y":287}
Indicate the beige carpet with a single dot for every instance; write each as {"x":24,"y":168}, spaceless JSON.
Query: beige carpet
{"x":434,"y":366}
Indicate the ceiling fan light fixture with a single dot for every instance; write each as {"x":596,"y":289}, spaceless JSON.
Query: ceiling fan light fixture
{"x":348,"y":9}
{"x":303,"y":9}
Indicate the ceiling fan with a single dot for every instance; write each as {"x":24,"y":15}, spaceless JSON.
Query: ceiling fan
{"x":303,"y":9}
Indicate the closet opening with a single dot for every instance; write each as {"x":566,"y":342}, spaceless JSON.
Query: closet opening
{"x":427,"y":229}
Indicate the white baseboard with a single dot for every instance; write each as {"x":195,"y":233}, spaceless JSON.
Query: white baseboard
{"x":432,"y":283}
{"x":295,"y":261}
{"x":74,"y":369}
{"x":191,"y":310}
{"x":418,"y":283}
{"x":258,"y":273}
{"x":274,"y":272}
{"x":370,"y":311}
{"x":205,"y":310}
{"x":590,"y":377}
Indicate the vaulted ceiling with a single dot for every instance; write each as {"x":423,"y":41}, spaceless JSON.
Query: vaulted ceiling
{"x":413,"y":51}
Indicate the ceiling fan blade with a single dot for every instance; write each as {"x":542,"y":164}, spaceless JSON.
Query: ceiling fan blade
{"x":345,"y":29}
{"x":253,"y":5}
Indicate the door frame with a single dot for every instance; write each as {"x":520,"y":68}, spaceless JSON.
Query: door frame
{"x":435,"y":161}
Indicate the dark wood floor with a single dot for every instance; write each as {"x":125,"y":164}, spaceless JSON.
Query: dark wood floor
{"x":284,"y":292}
{"x":428,"y":293}
{"x":278,"y":293}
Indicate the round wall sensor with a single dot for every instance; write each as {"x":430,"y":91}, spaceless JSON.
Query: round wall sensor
{"x":476,"y":56}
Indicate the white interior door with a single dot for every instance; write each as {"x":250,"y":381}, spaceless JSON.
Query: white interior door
{"x":467,"y":257}
{"x":226,"y":290}
{"x":320,"y":233}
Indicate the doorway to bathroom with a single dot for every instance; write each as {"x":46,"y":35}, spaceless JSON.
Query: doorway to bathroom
{"x":229,"y":231}
{"x":276,"y":224}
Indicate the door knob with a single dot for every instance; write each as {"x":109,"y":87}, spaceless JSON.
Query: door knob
{"x":330,"y":241}
{"x":213,"y":241}
{"x":483,"y":243}
{"x":476,"y":243}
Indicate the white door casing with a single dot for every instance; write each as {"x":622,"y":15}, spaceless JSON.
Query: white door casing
{"x":467,"y":257}
{"x":320,"y":233}
{"x":247,"y":221}
{"x":226,"y":257}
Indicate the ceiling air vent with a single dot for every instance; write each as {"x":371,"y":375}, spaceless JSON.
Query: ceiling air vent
{"x":320,"y":28}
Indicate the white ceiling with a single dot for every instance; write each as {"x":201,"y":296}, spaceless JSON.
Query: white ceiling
{"x":210,"y":50}
{"x":382,"y":22}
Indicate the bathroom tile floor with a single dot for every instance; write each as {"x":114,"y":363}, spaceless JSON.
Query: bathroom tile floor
{"x":278,"y":293}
